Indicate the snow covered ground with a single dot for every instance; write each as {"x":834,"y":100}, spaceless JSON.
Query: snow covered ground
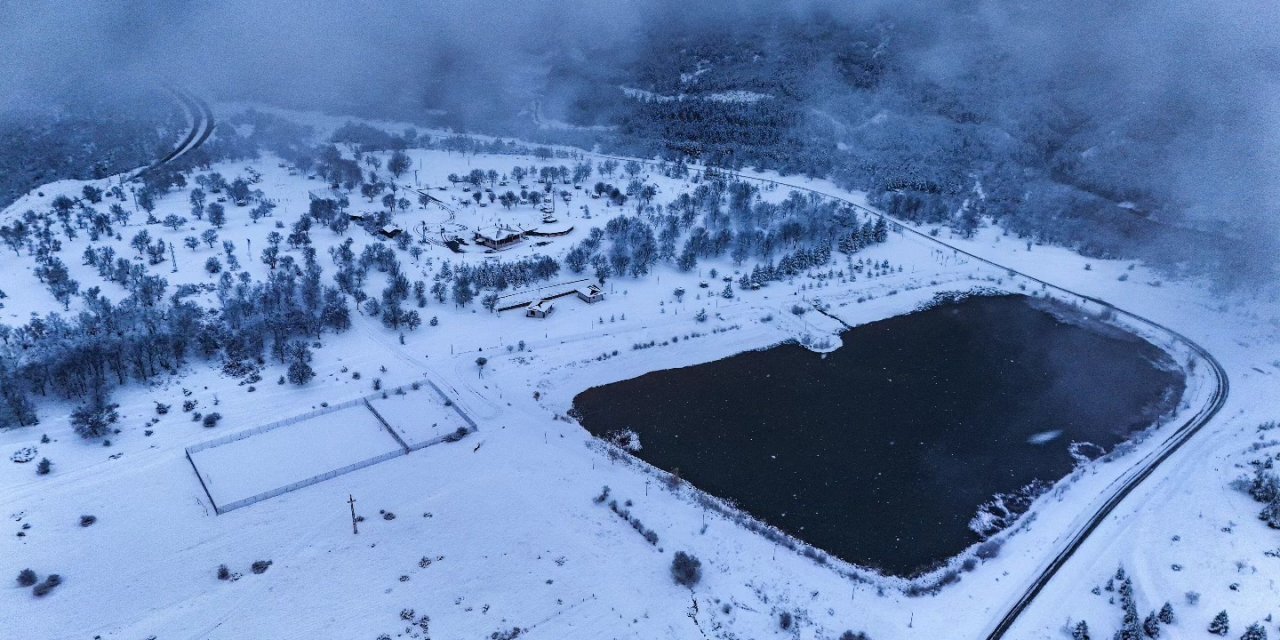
{"x":501,"y":531}
{"x":418,"y":416}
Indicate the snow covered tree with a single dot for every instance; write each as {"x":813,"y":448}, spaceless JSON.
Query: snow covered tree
{"x":1220,"y":625}
{"x":1166,"y":614}
{"x":217,"y":215}
{"x":1151,"y":626}
{"x":197,"y":203}
{"x":1081,"y":631}
{"x":261,"y":210}
{"x":95,"y":418}
{"x":398,"y":163}
{"x":300,"y":371}
{"x":43,"y":467}
{"x":1254,"y":632}
{"x":1271,"y":513}
{"x":174,"y":221}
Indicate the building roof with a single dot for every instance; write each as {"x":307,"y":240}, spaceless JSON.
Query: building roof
{"x":499,"y":233}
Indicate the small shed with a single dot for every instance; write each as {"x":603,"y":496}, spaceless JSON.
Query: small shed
{"x":391,"y":231}
{"x":539,"y":309}
{"x":590,"y":294}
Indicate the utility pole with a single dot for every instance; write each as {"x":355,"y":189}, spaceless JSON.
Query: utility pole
{"x":352,"y":501}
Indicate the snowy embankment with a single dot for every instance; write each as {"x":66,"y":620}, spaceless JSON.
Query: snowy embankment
{"x":500,"y":531}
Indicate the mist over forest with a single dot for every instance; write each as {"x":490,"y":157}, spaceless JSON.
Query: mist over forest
{"x":1143,"y":130}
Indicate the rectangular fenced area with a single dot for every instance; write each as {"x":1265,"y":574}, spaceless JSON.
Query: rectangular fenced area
{"x":239,"y":469}
{"x":270,"y":462}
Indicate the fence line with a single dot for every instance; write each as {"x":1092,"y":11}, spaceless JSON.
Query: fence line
{"x":244,"y":502}
{"x":386,"y":426}
{"x":270,"y":426}
{"x":448,"y":402}
{"x":347,"y":404}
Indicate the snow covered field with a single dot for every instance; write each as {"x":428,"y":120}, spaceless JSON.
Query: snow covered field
{"x":267,"y":461}
{"x":501,"y":531}
{"x":419,"y":416}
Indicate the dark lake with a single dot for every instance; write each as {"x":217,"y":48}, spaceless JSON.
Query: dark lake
{"x":881,"y":452}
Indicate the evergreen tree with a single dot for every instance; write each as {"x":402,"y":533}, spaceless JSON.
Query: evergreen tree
{"x":1081,"y":631}
{"x":95,"y":418}
{"x":1151,"y":626}
{"x":1254,"y":632}
{"x":1166,"y":614}
{"x":1220,"y":625}
{"x":43,"y":467}
{"x":300,"y":371}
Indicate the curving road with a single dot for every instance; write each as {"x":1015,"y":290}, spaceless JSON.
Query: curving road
{"x":1138,"y":473}
{"x":202,"y":124}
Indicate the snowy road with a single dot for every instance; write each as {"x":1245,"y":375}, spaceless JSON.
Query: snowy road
{"x":202,"y":124}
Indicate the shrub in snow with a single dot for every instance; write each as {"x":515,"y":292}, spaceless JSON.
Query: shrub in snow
{"x":42,"y":468}
{"x":87,"y":520}
{"x":212,"y":419}
{"x":45,"y":587}
{"x":785,"y":620}
{"x":849,"y":635}
{"x":223,"y":572}
{"x":989,"y":549}
{"x":161,"y":408}
{"x":1166,"y":614}
{"x":686,"y":570}
{"x":260,"y":566}
{"x":26,"y":578}
{"x":24,"y":455}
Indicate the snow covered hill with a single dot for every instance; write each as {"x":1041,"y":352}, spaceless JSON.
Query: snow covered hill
{"x":499,"y":532}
